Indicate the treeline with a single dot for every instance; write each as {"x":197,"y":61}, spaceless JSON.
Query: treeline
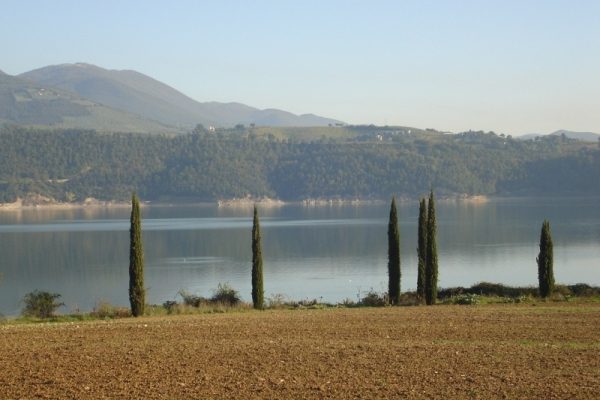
{"x":71,"y":165}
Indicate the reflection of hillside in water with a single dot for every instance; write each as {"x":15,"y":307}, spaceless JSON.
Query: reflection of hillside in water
{"x":308,"y":251}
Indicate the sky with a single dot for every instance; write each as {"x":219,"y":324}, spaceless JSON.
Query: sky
{"x":509,"y":66}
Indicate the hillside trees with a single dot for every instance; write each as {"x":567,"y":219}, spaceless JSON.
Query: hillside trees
{"x":72,"y":165}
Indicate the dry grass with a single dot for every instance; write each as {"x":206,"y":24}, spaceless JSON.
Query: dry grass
{"x":545,"y":351}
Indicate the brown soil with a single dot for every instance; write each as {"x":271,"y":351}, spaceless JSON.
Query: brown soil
{"x":546,"y":351}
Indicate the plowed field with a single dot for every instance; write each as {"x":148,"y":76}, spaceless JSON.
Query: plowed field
{"x":544,"y":351}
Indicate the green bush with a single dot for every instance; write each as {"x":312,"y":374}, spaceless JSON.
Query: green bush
{"x":488,"y":289}
{"x":170,"y":306}
{"x":41,"y":304}
{"x":225,"y":294}
{"x":583,"y":290}
{"x":373,"y":299}
{"x":347,"y":303}
{"x":191,"y":299}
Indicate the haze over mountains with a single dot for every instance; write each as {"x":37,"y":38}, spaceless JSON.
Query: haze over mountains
{"x":135,"y":93}
{"x":90,"y":97}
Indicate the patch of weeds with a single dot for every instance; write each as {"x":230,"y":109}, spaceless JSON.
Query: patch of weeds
{"x":170,"y":306}
{"x":105,"y":310}
{"x":463,"y":299}
{"x":278,"y":301}
{"x":581,"y":345}
{"x":522,"y":299}
{"x":224,"y":299}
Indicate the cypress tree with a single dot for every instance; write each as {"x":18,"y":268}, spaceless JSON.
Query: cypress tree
{"x":431,"y":265}
{"x":545,"y":261}
{"x":137,"y":293}
{"x":422,"y":250}
{"x":257,"y":265}
{"x":393,"y":255}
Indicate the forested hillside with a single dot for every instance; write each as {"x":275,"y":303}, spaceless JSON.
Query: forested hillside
{"x":371,"y":162}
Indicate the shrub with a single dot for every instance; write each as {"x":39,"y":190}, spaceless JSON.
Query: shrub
{"x":41,"y":304}
{"x":347,"y":303}
{"x":373,"y":299}
{"x":191,"y":299}
{"x":306,"y":303}
{"x":584,"y":290}
{"x":488,"y":289}
{"x":225,"y":294}
{"x":170,"y":306}
{"x":497,"y":289}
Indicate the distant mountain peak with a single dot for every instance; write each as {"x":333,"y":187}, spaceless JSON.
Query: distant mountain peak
{"x":25,"y":102}
{"x":136,"y":93}
{"x":583,"y":136}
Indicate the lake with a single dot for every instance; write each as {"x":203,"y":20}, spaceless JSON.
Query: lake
{"x":328,"y":253}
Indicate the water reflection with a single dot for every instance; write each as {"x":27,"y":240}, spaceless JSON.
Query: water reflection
{"x":310,"y":252}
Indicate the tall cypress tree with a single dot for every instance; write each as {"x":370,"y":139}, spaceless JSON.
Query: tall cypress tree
{"x":137,"y":293}
{"x":393,"y":255}
{"x":422,"y":250}
{"x":431,"y":265}
{"x":257,"y":265}
{"x":545,"y":261}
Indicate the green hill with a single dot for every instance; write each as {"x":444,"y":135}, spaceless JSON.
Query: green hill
{"x":378,"y":162}
{"x":139,"y":94}
{"x":25,"y":103}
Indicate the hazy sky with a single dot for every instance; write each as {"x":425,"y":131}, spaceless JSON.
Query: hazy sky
{"x":509,"y":66}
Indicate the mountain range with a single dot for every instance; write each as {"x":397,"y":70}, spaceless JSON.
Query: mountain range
{"x":583,"y":136}
{"x":26,"y":103}
{"x":87,"y":96}
{"x":78,"y":89}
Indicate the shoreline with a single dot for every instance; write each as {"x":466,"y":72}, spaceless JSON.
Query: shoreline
{"x":36,"y":202}
{"x":48,"y":204}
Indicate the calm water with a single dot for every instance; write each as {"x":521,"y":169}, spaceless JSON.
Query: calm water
{"x":328,"y":253}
